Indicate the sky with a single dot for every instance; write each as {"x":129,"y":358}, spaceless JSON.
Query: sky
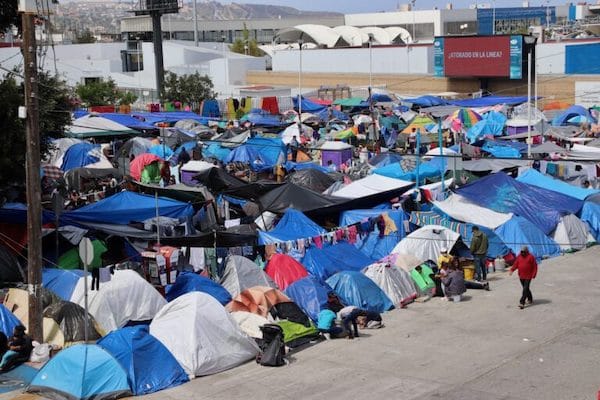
{"x":351,"y":6}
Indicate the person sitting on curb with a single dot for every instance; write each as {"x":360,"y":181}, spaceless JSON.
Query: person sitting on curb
{"x":454,"y":283}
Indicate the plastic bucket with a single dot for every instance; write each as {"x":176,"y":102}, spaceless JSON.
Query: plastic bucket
{"x":469,"y":273}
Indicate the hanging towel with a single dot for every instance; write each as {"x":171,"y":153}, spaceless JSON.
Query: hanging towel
{"x":352,"y":232}
{"x":390,"y":225}
{"x":269,"y":104}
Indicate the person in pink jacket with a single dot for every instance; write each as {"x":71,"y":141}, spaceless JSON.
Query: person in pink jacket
{"x":527,"y":267}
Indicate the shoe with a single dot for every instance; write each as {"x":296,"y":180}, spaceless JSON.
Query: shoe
{"x":529,"y":302}
{"x":486,"y":286}
{"x":521,"y":306}
{"x":350,"y":337}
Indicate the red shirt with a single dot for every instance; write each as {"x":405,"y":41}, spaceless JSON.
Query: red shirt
{"x":526,"y":265}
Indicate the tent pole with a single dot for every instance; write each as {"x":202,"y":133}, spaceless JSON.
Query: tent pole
{"x":440,"y":140}
{"x":418,"y":155}
{"x":157,"y":218}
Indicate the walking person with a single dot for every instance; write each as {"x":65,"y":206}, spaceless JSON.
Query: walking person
{"x":527,"y":266}
{"x":479,"y":249}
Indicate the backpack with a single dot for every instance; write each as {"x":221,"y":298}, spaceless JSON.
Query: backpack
{"x":272,"y":346}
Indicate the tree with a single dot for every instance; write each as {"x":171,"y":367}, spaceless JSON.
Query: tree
{"x":239,"y":45}
{"x":187,"y":88}
{"x":55,"y":113}
{"x":98,"y":93}
{"x":127,"y":98}
{"x":85,"y":37}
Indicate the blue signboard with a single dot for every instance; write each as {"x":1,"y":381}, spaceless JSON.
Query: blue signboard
{"x":516,"y":57}
{"x":582,"y":59}
{"x":438,"y":57}
{"x":511,"y":20}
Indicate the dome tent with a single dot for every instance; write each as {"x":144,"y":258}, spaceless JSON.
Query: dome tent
{"x":284,"y":270}
{"x":242,"y":273}
{"x":201,"y":335}
{"x":395,"y":282}
{"x":190,"y":282}
{"x":355,"y":289}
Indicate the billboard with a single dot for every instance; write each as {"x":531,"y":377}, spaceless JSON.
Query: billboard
{"x":481,"y":56}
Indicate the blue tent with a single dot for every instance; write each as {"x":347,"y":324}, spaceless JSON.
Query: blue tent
{"x":429,"y":169}
{"x":125,"y":207}
{"x":500,"y":192}
{"x":372,"y":245}
{"x":299,"y":166}
{"x":259,"y":117}
{"x":292,"y":226}
{"x":162,"y":151}
{"x":215,"y":150}
{"x":492,"y":123}
{"x":518,"y":231}
{"x":310,"y":294}
{"x":188,"y":146}
{"x":190,"y":282}
{"x":335,"y":114}
{"x":149,"y":365}
{"x":61,"y":281}
{"x":272,"y":150}
{"x":355,"y":289}
{"x":571,"y":112}
{"x":308,"y":105}
{"x":535,"y":178}
{"x":80,"y":155}
{"x":81,"y":372}
{"x":489,"y":101}
{"x":324,"y":262}
{"x":245,"y":154}
{"x":426,"y":101}
{"x":7,"y":321}
{"x":590,"y":213}
{"x":383,"y":159}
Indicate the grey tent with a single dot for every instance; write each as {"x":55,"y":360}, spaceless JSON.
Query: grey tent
{"x":548,"y":147}
{"x":571,"y":233}
{"x":241,"y":273}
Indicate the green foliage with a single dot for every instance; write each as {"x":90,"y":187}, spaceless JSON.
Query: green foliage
{"x":98,"y":93}
{"x":187,"y":88}
{"x":127,"y":98}
{"x":85,"y":37}
{"x":238,"y":46}
{"x":55,"y":107}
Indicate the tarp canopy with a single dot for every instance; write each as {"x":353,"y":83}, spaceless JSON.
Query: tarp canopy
{"x":461,"y":209}
{"x":395,"y":282}
{"x":488,"y":101}
{"x":572,"y":112}
{"x":241,"y":273}
{"x":426,"y":101}
{"x":372,"y":184}
{"x":93,"y":125}
{"x":311,"y":178}
{"x":81,"y":372}
{"x":535,"y":178}
{"x":547,"y":148}
{"x":308,"y":105}
{"x":571,"y":233}
{"x":170,"y":117}
{"x":326,"y":261}
{"x":123,"y":119}
{"x":290,"y":195}
{"x":427,"y":242}
{"x":518,"y":232}
{"x":201,"y":335}
{"x":149,"y":365}
{"x":261,"y":118}
{"x":429,"y":169}
{"x":485,"y":127}
{"x":310,"y":294}
{"x":383,"y":159}
{"x":355,"y":289}
{"x":125,"y":207}
{"x":284,"y":270}
{"x":501,"y":193}
{"x":190,"y":282}
{"x":292,"y":226}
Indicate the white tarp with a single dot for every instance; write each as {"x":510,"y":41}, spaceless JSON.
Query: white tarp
{"x":369,"y":185}
{"x":288,"y":133}
{"x":426,"y":243}
{"x":461,"y":209}
{"x":201,"y":335}
{"x":250,"y":323}
{"x":93,"y":124}
{"x":571,"y":233}
{"x":395,"y":282}
{"x":196,"y":166}
{"x":127,"y":297}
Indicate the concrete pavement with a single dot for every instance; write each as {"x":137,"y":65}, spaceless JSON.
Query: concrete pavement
{"x":482,"y":348}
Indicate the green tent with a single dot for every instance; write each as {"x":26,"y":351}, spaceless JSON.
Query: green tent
{"x":295,"y":334}
{"x":151,"y":173}
{"x":345,"y":134}
{"x":349,"y":102}
{"x":70,"y":259}
{"x":423,"y":280}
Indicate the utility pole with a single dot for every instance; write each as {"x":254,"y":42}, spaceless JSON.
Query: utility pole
{"x":32,"y":168}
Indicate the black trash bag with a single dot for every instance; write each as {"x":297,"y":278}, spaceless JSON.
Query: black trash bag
{"x":272,"y":346}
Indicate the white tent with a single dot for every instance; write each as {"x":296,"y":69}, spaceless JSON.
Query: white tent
{"x":571,"y":233}
{"x":405,"y":261}
{"x":395,"y":282}
{"x":201,"y":335}
{"x":127,"y":297}
{"x":242,"y":273}
{"x":369,"y":185}
{"x":250,"y":323}
{"x":94,"y":125}
{"x":353,"y":35}
{"x":427,"y":242}
{"x":461,"y":209}
{"x":292,"y":130}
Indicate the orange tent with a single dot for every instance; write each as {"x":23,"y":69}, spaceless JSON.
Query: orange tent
{"x":556,"y":105}
{"x":257,"y":300}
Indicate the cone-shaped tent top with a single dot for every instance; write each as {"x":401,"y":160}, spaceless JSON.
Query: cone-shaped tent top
{"x":241,"y":273}
{"x":285,"y":270}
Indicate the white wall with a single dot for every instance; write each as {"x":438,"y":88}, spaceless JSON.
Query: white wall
{"x":386,"y":60}
{"x":550,"y":58}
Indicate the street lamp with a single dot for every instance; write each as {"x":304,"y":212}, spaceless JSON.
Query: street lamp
{"x":300,"y":44}
{"x":412,"y":9}
{"x":226,"y":61}
{"x":530,"y":42}
{"x":494,"y":17}
{"x":371,"y":38}
{"x":195,"y":24}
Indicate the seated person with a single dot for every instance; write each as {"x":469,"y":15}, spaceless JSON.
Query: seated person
{"x":19,"y":349}
{"x":326,"y":323}
{"x":454,"y":283}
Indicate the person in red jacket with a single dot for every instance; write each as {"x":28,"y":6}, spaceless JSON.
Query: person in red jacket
{"x":527,"y":266}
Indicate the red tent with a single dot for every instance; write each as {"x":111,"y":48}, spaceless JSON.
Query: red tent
{"x":138,"y":164}
{"x":284,"y":270}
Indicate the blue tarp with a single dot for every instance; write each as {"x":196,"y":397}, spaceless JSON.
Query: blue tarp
{"x":292,"y":226}
{"x":372,"y":245}
{"x":81,"y":372}
{"x":324,"y":114}
{"x":324,"y":262}
{"x":149,"y":365}
{"x":169,"y":117}
{"x":501,"y":193}
{"x":590,"y":213}
{"x":518,"y":232}
{"x":383,"y":159}
{"x":215,"y":150}
{"x":492,"y":124}
{"x":490,"y":101}
{"x":162,"y":151}
{"x":123,"y":119}
{"x":426,"y":101}
{"x":293,"y":166}
{"x":16,"y":213}
{"x":125,"y":207}
{"x":429,"y":169}
{"x":210,"y":108}
{"x":501,"y":150}
{"x":355,"y":289}
{"x":7,"y":321}
{"x":308,"y":105}
{"x":80,"y":155}
{"x":310,"y":294}
{"x":259,"y":117}
{"x":188,"y":146}
{"x":191,"y":282}
{"x":571,"y":112}
{"x":535,"y":178}
{"x":61,"y":282}
{"x":272,"y":150}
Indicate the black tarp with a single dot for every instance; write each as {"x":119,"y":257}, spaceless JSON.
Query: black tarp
{"x":10,"y":270}
{"x":211,"y":239}
{"x":312,"y":179}
{"x":290,"y":195}
{"x":253,"y":191}
{"x":181,"y":192}
{"x":70,"y":317}
{"x":218,"y":180}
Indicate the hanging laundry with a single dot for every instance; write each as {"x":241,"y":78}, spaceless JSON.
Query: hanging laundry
{"x":318,"y":241}
{"x":352,"y":233}
{"x":390,"y":225}
{"x":381,"y":226}
{"x":269,"y":104}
